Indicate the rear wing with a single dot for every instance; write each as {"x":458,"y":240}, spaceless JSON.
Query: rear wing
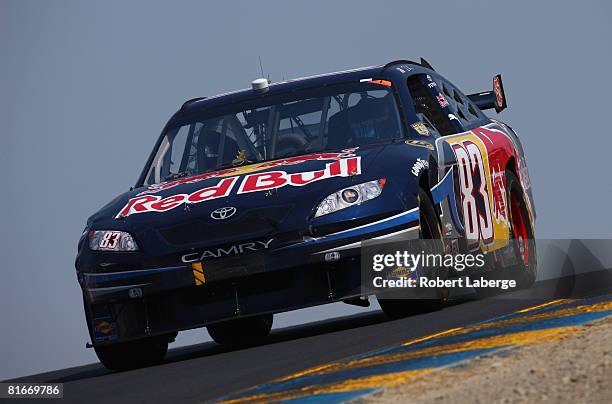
{"x":491,"y":99}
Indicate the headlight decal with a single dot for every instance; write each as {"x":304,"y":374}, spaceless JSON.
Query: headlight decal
{"x":111,"y":240}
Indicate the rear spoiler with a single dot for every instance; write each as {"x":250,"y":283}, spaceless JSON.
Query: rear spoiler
{"x":491,"y":99}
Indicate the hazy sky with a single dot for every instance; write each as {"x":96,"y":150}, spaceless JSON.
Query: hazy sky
{"x":85,"y":88}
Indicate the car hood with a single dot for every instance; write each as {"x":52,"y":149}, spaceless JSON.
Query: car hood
{"x":245,"y":202}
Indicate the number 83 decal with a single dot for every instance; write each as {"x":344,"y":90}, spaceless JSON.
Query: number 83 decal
{"x":475,"y":202}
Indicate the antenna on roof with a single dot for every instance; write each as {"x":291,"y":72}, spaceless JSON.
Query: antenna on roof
{"x":261,"y":67}
{"x":262,"y":72}
{"x":262,"y":84}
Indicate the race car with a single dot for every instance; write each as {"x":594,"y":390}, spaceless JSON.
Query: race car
{"x":258,"y":201}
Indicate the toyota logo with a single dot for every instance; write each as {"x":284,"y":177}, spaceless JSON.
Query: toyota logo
{"x":223,"y":213}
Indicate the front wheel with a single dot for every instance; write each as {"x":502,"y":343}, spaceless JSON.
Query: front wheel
{"x":429,"y":229}
{"x":133,"y":354}
{"x":242,"y":331}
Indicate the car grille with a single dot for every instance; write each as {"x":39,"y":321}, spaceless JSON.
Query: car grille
{"x":255,"y":223}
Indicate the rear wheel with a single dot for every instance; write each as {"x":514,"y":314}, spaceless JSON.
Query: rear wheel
{"x":133,"y":354}
{"x":524,"y":270}
{"x":429,"y":223}
{"x":241,"y":332}
{"x":521,"y":236}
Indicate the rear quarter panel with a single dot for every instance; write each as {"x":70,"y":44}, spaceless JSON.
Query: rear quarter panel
{"x":498,"y":148}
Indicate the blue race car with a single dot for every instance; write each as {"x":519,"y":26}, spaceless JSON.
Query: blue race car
{"x":258,"y":201}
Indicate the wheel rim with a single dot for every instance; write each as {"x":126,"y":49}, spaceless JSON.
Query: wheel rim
{"x":519,"y":227}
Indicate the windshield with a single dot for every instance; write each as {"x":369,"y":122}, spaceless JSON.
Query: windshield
{"x":279,"y":126}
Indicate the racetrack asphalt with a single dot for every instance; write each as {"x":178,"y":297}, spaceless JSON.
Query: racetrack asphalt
{"x":206,"y":372}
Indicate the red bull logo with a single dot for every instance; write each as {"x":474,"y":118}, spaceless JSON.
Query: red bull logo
{"x":250,"y":183}
{"x":250,"y":169}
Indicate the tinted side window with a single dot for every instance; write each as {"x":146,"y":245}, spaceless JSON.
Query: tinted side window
{"x":428,"y":108}
{"x":460,"y":106}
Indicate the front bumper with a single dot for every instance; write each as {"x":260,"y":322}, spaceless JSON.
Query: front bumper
{"x":142,"y":302}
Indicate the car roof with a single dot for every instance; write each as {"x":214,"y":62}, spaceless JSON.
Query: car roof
{"x":288,"y":85}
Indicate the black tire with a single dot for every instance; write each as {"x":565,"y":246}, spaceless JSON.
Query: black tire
{"x":524,"y":271}
{"x":521,"y":237}
{"x":429,"y":223}
{"x":241,"y":332}
{"x":133,"y":354}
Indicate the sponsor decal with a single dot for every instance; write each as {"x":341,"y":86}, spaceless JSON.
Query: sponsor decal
{"x":499,"y":92}
{"x":223,"y":213}
{"x":110,"y":240}
{"x":498,"y":179}
{"x":474,"y":188}
{"x":420,"y":128}
{"x":480,"y":167}
{"x":266,"y":181}
{"x":419,"y":143}
{"x":495,"y":138}
{"x":278,"y":179}
{"x":385,"y":83}
{"x":105,"y":329}
{"x":403,"y":69}
{"x":442,"y":100}
{"x":452,"y":116}
{"x":198,"y":273}
{"x":432,"y":84}
{"x":418,"y":166}
{"x":154,"y":188}
{"x":226,"y":251}
{"x":155,"y":203}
